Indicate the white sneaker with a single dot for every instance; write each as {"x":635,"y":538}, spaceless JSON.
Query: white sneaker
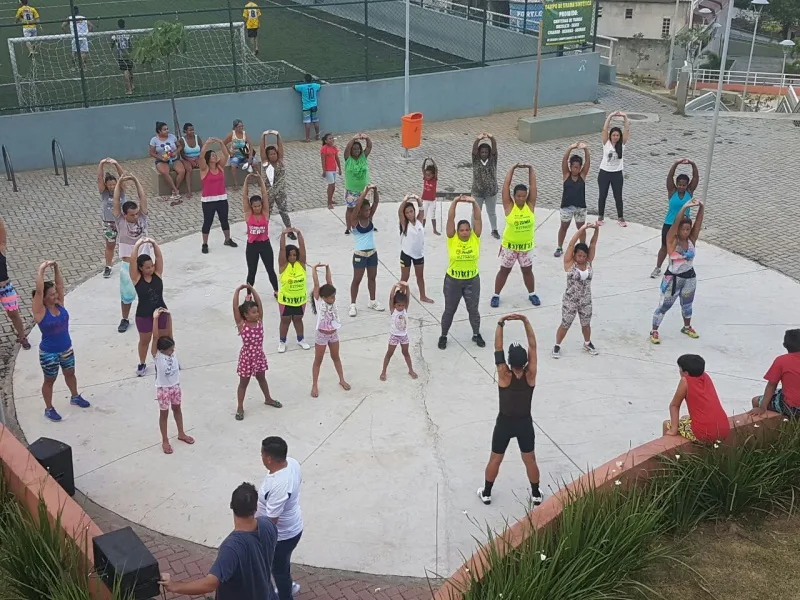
{"x":556,"y":353}
{"x":353,"y":310}
{"x":589,"y":347}
{"x":485,"y":499}
{"x":375,"y":305}
{"x":303,"y":344}
{"x":656,"y":273}
{"x":281,"y":347}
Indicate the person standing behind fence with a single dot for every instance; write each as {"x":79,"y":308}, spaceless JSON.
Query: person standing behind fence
{"x":484,"y":177}
{"x":29,"y":17}
{"x":356,"y":173}
{"x":83,"y":26}
{"x":308,"y":93}
{"x":252,"y":21}
{"x":123,"y":44}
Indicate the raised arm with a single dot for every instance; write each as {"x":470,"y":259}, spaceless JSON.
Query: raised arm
{"x":246,"y":210}
{"x":357,"y":209}
{"x":499,"y":346}
{"x":593,"y":242}
{"x":672,"y":234}
{"x":101,"y":176}
{"x":237,"y":317}
{"x":508,"y":203}
{"x":606,"y":126}
{"x":38,"y":298}
{"x":476,"y":216}
{"x":569,"y":255}
{"x":257,"y":299}
{"x":671,"y":175}
{"x":141,"y":195}
{"x":205,"y":148}
{"x":375,"y":201}
{"x":349,"y":146}
{"x":156,"y":332}
{"x":476,"y":144}
{"x":533,"y":362}
{"x":565,"y":160}
{"x":136,"y":274}
{"x":262,"y":148}
{"x":282,"y":251}
{"x":626,"y":127}
{"x":587,"y":159}
{"x":494,"y":144}
{"x":368,"y":149}
{"x":157,"y":257}
{"x":301,"y":246}
{"x":315,"y":279}
{"x":533,"y":193}
{"x":59,"y":279}
{"x":695,"y":177}
{"x":394,"y":289}
{"x":279,"y":145}
{"x":117,"y":193}
{"x":401,"y":211}
{"x":698,"y":222}
{"x":450,"y":229}
{"x":3,"y":237}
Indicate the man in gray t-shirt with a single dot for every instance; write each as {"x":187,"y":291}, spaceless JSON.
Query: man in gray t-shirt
{"x":243,"y":568}
{"x":484,"y":177}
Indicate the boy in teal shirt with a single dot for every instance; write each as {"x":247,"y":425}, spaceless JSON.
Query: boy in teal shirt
{"x":308,"y":93}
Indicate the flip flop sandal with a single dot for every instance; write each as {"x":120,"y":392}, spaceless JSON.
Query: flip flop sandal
{"x":240,"y":416}
{"x":187,"y":440}
{"x":23,"y":341}
{"x":176,"y":202}
{"x":168,"y":449}
{"x":273,"y":403}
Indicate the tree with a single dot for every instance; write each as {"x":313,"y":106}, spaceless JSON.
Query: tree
{"x":166,"y":41}
{"x":786,"y":12}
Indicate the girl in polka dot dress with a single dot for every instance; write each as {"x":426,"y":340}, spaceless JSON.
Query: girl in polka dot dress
{"x":249,"y":318}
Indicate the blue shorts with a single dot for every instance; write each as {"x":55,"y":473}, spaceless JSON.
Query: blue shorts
{"x":127,"y":292}
{"x":310,"y":115}
{"x":350,"y":198}
{"x":51,"y":361}
{"x":365,"y":262}
{"x":778,"y":404}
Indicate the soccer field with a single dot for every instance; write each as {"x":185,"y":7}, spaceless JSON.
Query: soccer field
{"x":293,"y":40}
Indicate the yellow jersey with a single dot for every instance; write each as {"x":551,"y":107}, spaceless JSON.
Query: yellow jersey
{"x":28,"y":15}
{"x":520,"y":227}
{"x":463,"y":256}
{"x":252,"y":15}
{"x":293,"y":290}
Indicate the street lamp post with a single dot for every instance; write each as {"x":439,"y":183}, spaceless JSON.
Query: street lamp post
{"x":713,"y":135}
{"x":786,"y":46}
{"x":674,"y":26}
{"x":760,"y":4}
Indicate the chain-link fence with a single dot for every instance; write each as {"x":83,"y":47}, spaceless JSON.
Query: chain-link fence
{"x":57,"y":61}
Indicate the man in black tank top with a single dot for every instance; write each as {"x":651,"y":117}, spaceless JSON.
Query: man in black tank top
{"x":515,"y":382}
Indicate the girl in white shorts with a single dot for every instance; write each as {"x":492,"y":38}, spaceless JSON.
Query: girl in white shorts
{"x":328,"y":324}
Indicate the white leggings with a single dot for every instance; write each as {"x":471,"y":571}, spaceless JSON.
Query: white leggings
{"x":432,"y":206}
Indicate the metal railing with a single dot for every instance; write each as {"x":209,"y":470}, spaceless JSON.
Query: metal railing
{"x":53,"y":147}
{"x":9,"y":166}
{"x":790,"y":102}
{"x":754,"y":78}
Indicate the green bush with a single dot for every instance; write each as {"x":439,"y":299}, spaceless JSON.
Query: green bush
{"x":603,"y":539}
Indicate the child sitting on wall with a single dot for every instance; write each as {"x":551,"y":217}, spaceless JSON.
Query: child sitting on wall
{"x":785,"y":370}
{"x":707,"y":421}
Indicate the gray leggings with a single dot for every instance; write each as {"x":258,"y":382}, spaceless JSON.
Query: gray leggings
{"x":454,"y":290}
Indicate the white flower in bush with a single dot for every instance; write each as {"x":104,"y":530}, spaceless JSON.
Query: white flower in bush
{"x":617,"y":482}
{"x":542,"y":557}
{"x":619,"y":464}
{"x":677,"y":457}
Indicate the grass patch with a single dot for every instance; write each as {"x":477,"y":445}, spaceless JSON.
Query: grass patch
{"x":614,"y":544}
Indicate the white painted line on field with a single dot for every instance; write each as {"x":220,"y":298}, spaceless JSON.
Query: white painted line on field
{"x":299,"y":70}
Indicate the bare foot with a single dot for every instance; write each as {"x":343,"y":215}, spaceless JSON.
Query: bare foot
{"x":345,"y":385}
{"x":412,"y":374}
{"x":166,"y":447}
{"x":314,"y":391}
{"x":186,"y":438}
{"x":427,"y":300}
{"x":436,"y":232}
{"x":383,"y":376}
{"x":330,"y":206}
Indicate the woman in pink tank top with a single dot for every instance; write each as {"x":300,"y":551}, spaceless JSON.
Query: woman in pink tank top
{"x":215,"y":197}
{"x":256,"y":215}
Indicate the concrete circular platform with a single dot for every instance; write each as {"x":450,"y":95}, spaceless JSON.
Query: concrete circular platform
{"x":390,"y":469}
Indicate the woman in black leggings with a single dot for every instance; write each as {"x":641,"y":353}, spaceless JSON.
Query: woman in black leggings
{"x":611,"y":166}
{"x":256,"y":216}
{"x":215,"y":196}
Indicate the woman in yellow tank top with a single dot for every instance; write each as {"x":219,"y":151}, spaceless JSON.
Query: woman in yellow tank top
{"x":462,"y":279}
{"x":517,"y":244}
{"x":292,"y":292}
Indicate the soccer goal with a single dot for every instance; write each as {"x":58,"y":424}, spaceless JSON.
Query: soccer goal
{"x":50,"y":78}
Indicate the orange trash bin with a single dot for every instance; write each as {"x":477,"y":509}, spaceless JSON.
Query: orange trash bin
{"x":411,"y":131}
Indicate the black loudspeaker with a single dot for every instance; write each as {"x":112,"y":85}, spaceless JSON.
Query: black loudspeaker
{"x":56,"y":457}
{"x":121,"y":556}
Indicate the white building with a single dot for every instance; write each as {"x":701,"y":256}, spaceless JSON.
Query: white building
{"x":653,"y":19}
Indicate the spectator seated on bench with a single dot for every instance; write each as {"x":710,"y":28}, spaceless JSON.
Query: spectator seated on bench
{"x":165,"y":150}
{"x":785,"y":370}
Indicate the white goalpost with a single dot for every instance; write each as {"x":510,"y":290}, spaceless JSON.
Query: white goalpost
{"x":50,"y":78}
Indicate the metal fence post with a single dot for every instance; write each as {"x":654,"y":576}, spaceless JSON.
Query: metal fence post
{"x":483,"y":45}
{"x":525,"y":18}
{"x":233,"y":48}
{"x":594,"y":37}
{"x":77,"y":54}
{"x":366,"y":40}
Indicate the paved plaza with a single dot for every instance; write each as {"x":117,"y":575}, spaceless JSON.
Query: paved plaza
{"x":377,"y":458}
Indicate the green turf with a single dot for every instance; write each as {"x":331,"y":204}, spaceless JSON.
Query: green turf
{"x":290,"y":42}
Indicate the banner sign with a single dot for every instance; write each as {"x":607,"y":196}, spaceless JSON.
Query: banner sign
{"x":525,"y":14}
{"x":567,"y":22}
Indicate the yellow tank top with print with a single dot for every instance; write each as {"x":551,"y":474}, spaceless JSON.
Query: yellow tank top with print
{"x":520,"y":228}
{"x":293,"y":291}
{"x":463,"y":256}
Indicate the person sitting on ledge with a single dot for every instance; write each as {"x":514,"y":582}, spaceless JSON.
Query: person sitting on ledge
{"x":784,"y":370}
{"x":707,"y":421}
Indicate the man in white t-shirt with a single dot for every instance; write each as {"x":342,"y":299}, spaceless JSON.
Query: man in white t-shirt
{"x":279,"y":500}
{"x":81,"y":25}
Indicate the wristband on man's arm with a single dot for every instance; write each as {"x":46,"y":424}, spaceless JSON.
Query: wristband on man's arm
{"x":499,"y":357}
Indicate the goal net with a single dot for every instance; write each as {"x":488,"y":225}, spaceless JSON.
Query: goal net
{"x":50,"y":78}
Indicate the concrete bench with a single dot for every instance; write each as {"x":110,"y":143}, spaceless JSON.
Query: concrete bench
{"x":564,"y":125}
{"x":163,"y":189}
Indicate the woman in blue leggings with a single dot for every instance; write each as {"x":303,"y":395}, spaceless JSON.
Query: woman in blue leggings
{"x":55,"y":349}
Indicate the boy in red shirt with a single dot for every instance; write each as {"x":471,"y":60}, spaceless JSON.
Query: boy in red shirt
{"x":707,"y":421}
{"x":784,"y":370}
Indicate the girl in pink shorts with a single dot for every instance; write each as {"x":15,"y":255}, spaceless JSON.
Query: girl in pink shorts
{"x":168,"y":379}
{"x":328,"y":324}
{"x":249,"y":318}
{"x":398,"y":332}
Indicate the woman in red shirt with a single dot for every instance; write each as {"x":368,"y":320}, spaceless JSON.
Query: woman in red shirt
{"x":707,"y":421}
